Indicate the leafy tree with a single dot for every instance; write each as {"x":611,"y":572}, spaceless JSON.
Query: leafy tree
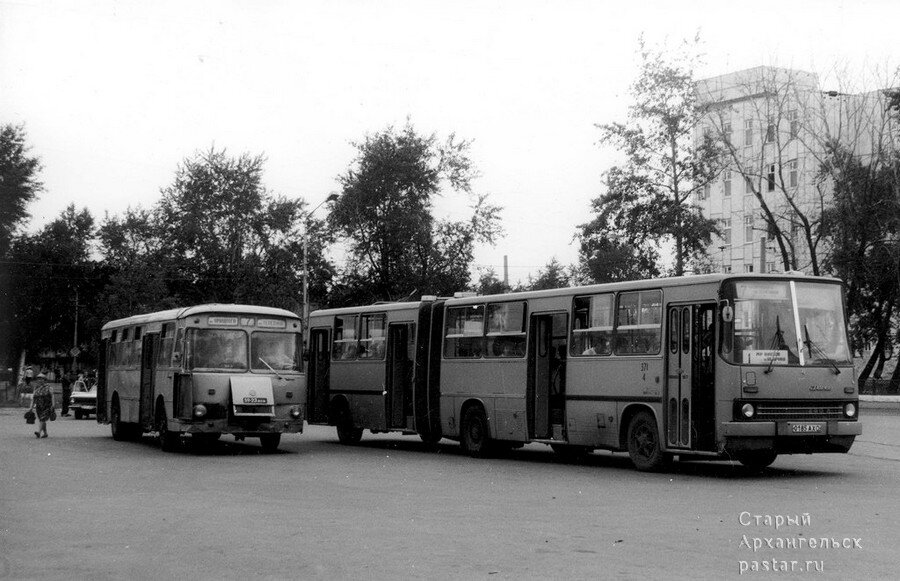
{"x":19,"y":182}
{"x":50,"y":270}
{"x":863,"y":226}
{"x":226,"y":239}
{"x":607,"y":260}
{"x":489,"y":283}
{"x":396,"y":246}
{"x":553,"y":275}
{"x":649,"y":197}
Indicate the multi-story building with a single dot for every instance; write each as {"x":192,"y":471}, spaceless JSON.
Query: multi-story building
{"x":775,"y":126}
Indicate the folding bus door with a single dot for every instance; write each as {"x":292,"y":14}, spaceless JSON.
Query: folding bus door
{"x":318,"y":376}
{"x":150,"y":343}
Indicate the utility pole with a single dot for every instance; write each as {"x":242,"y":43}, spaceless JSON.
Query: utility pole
{"x":331,"y":197}
{"x":75,"y":338}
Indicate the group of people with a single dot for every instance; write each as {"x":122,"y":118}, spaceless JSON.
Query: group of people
{"x":41,"y":391}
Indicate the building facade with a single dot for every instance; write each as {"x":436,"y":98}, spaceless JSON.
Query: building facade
{"x":775,"y":127}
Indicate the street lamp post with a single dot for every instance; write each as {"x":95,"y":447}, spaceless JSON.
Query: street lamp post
{"x":331,"y":197}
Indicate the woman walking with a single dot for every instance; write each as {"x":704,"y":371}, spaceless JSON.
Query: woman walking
{"x":42,"y":403}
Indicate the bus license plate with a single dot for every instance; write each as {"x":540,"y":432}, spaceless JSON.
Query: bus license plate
{"x":806,"y":428}
{"x":255,"y":400}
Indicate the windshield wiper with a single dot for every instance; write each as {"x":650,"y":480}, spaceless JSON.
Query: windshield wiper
{"x":777,"y":342}
{"x":810,"y":345}
{"x":272,"y":369}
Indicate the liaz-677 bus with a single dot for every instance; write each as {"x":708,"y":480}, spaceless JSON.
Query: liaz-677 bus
{"x":713,"y":366}
{"x":204,"y":371}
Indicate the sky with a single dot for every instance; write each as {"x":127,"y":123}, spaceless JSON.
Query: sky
{"x":113,"y":95}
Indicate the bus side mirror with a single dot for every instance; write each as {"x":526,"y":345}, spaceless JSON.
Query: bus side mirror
{"x":727,"y":314}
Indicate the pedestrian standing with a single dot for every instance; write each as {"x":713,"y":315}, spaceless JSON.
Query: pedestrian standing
{"x":42,"y":403}
{"x":66,"y":380}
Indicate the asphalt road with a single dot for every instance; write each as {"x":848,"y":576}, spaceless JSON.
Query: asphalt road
{"x":79,"y":505}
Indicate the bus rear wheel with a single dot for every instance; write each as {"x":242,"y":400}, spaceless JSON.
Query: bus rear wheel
{"x":644,"y":446}
{"x":475,"y":437}
{"x":756,"y":459}
{"x":120,"y":430}
{"x":270,"y":442}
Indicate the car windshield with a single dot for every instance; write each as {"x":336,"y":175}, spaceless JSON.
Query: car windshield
{"x":216,"y":349}
{"x":270,"y":351}
{"x":779,"y":323}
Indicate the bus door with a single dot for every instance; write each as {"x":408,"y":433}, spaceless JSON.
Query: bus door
{"x":149,"y":345}
{"x":689,"y":386}
{"x":547,"y":384}
{"x":317,"y":376}
{"x":399,"y":375}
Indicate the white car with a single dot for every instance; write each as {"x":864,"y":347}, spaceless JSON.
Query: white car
{"x":83,"y":403}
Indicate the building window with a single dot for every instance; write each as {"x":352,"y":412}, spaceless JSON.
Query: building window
{"x":795,"y":124}
{"x":726,"y":269}
{"x":748,"y":185}
{"x":748,"y":268}
{"x":770,"y":132}
{"x":703,"y":194}
{"x":726,"y":230}
{"x":748,"y":132}
{"x":726,"y":133}
{"x":770,"y":267}
{"x":770,"y":178}
{"x":794,"y":178}
{"x":727,"y":180}
{"x":748,"y":228}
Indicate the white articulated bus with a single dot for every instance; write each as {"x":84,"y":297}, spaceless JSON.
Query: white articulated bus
{"x":714,"y":366}
{"x":204,"y":371}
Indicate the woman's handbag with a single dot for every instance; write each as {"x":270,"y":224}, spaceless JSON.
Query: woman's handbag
{"x":29,"y":417}
{"x":52,"y":415}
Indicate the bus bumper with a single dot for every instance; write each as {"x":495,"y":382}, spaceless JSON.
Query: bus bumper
{"x":276,"y":425}
{"x":787,"y":437}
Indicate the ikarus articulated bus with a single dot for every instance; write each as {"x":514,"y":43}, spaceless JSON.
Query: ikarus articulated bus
{"x":204,"y":370}
{"x":741,"y":367}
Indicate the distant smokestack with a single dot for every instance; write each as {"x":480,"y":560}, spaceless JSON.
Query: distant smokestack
{"x":505,"y":270}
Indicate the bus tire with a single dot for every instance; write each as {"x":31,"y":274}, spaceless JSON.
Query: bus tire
{"x":644,"y":446}
{"x":168,"y":441}
{"x":347,"y":433}
{"x":204,"y":440}
{"x":756,"y":459}
{"x":475,"y":438}
{"x":270,"y":442}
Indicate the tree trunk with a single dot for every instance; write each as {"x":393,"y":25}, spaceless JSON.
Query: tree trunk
{"x":864,"y":374}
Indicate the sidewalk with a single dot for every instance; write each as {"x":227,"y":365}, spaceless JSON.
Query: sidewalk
{"x":880,"y":402}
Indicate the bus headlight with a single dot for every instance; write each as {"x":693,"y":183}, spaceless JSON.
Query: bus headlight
{"x":850,"y":410}
{"x":199,"y":411}
{"x":296,"y":412}
{"x":748,"y":411}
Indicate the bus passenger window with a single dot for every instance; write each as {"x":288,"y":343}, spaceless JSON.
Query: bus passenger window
{"x":638,"y":323}
{"x":371,"y":340}
{"x":506,"y":330}
{"x":344,"y":347}
{"x":464,"y":332}
{"x":592,"y":325}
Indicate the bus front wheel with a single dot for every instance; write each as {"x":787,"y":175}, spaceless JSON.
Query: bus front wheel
{"x":644,"y":446}
{"x":475,"y":436}
{"x":756,"y":459}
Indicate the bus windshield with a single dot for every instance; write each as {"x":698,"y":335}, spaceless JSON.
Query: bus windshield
{"x":216,"y":349}
{"x":783,"y":323}
{"x":275,"y":351}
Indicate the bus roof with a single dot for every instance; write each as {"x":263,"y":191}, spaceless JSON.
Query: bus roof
{"x":173,"y":314}
{"x":373,"y":308}
{"x":675,"y":281}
